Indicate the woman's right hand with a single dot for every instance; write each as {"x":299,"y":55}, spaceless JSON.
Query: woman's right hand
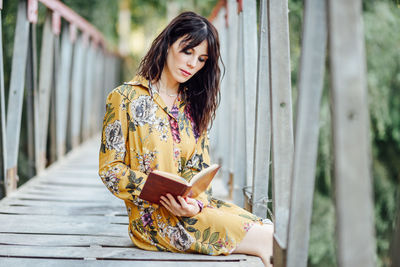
{"x":187,"y":207}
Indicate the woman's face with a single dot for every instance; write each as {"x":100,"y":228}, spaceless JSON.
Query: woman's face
{"x":181,"y":65}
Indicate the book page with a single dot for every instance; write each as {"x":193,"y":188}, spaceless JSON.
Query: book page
{"x":202,"y":180}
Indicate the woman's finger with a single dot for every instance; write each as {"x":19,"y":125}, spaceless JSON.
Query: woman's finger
{"x":173,"y":202}
{"x":183,"y":203}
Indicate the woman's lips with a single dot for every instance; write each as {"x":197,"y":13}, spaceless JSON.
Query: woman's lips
{"x":185,"y":73}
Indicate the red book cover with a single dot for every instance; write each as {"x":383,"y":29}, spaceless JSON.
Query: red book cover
{"x":158,"y":185}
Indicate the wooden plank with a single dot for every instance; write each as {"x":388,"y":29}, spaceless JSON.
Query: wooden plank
{"x":66,"y":210}
{"x":64,"y":240}
{"x":282,"y":122}
{"x":82,"y":225}
{"x":116,"y":204}
{"x":3,"y":138}
{"x":263,"y":121}
{"x":9,"y":219}
{"x":30,"y":262}
{"x":16,"y":95}
{"x":312,"y":68}
{"x":352,"y":152}
{"x":45,"y":83}
{"x":62,"y":91}
{"x":108,"y":253}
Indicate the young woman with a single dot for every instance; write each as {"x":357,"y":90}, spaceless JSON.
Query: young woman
{"x":159,"y":121}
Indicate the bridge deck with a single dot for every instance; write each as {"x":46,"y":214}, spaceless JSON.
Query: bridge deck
{"x":66,"y":217}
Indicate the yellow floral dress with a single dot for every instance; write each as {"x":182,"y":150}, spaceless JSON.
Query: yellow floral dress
{"x":140,"y":134}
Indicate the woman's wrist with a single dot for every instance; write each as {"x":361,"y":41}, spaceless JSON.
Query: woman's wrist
{"x":200,"y":204}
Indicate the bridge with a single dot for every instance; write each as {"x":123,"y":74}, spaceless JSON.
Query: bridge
{"x":65,"y":216}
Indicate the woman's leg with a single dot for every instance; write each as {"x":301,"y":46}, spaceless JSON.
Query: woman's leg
{"x":258,"y":242}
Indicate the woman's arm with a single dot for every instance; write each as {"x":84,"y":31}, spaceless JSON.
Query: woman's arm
{"x":115,"y":173}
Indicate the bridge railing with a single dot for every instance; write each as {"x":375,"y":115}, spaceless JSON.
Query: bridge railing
{"x":65,"y":94}
{"x":254,"y":132}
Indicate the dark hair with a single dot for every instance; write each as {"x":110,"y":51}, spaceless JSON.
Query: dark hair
{"x":203,"y":93}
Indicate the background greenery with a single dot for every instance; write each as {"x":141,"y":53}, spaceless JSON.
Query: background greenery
{"x":381,"y":25}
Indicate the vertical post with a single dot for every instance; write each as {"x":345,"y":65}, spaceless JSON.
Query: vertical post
{"x":87,"y":92}
{"x":231,"y":78}
{"x":53,"y":94}
{"x":77,"y":81}
{"x":312,"y":67}
{"x":239,"y":118}
{"x":31,"y":103}
{"x":62,"y":90}
{"x":353,"y":181}
{"x":282,"y":122}
{"x":45,"y":84}
{"x":250,"y":48}
{"x":16,"y":94}
{"x":262,"y":141}
{"x":3,"y":139}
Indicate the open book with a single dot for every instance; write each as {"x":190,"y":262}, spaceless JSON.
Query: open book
{"x":160,"y":183}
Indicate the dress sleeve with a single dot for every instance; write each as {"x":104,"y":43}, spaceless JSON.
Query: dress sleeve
{"x":114,"y":169}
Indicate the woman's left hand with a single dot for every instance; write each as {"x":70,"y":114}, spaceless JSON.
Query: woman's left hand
{"x":184,"y":207}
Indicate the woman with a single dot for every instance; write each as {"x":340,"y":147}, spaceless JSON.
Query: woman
{"x":159,"y":121}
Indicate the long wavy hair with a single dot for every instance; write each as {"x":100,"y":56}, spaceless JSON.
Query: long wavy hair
{"x":202,"y":95}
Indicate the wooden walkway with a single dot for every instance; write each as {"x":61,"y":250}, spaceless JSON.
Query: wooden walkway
{"x":66,"y":217}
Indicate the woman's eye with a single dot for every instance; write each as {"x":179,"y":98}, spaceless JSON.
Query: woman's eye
{"x":201,"y":59}
{"x":187,"y":52}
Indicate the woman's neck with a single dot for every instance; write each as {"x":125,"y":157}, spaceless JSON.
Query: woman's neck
{"x":167,"y":83}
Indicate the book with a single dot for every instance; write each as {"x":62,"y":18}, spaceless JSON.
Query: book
{"x":159,"y":183}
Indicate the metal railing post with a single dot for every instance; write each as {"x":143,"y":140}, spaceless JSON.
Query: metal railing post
{"x":262,"y":141}
{"x":351,"y":139}
{"x":310,"y":85}
{"x":16,"y":94}
{"x":3,"y":137}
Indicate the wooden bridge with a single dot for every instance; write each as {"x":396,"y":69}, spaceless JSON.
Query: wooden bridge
{"x":65,"y":216}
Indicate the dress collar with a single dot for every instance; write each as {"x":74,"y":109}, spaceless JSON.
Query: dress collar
{"x":142,"y":81}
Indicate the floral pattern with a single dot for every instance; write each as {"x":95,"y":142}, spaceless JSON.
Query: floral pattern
{"x":110,"y":179}
{"x":143,"y":110}
{"x":114,"y":138}
{"x":145,"y":160}
{"x":179,"y":237}
{"x":141,"y":134}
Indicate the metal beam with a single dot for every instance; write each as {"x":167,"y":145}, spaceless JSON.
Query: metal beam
{"x":45,"y":84}
{"x":282,"y":122}
{"x":3,"y":137}
{"x":16,"y":95}
{"x":262,"y":141}
{"x":311,"y":74}
{"x":62,"y":91}
{"x":353,"y":180}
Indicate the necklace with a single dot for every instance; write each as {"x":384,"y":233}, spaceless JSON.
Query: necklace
{"x":165,"y":92}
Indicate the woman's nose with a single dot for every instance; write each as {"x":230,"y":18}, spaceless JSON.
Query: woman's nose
{"x":192,"y":62}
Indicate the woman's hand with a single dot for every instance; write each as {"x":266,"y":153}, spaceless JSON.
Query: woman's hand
{"x":184,"y":207}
